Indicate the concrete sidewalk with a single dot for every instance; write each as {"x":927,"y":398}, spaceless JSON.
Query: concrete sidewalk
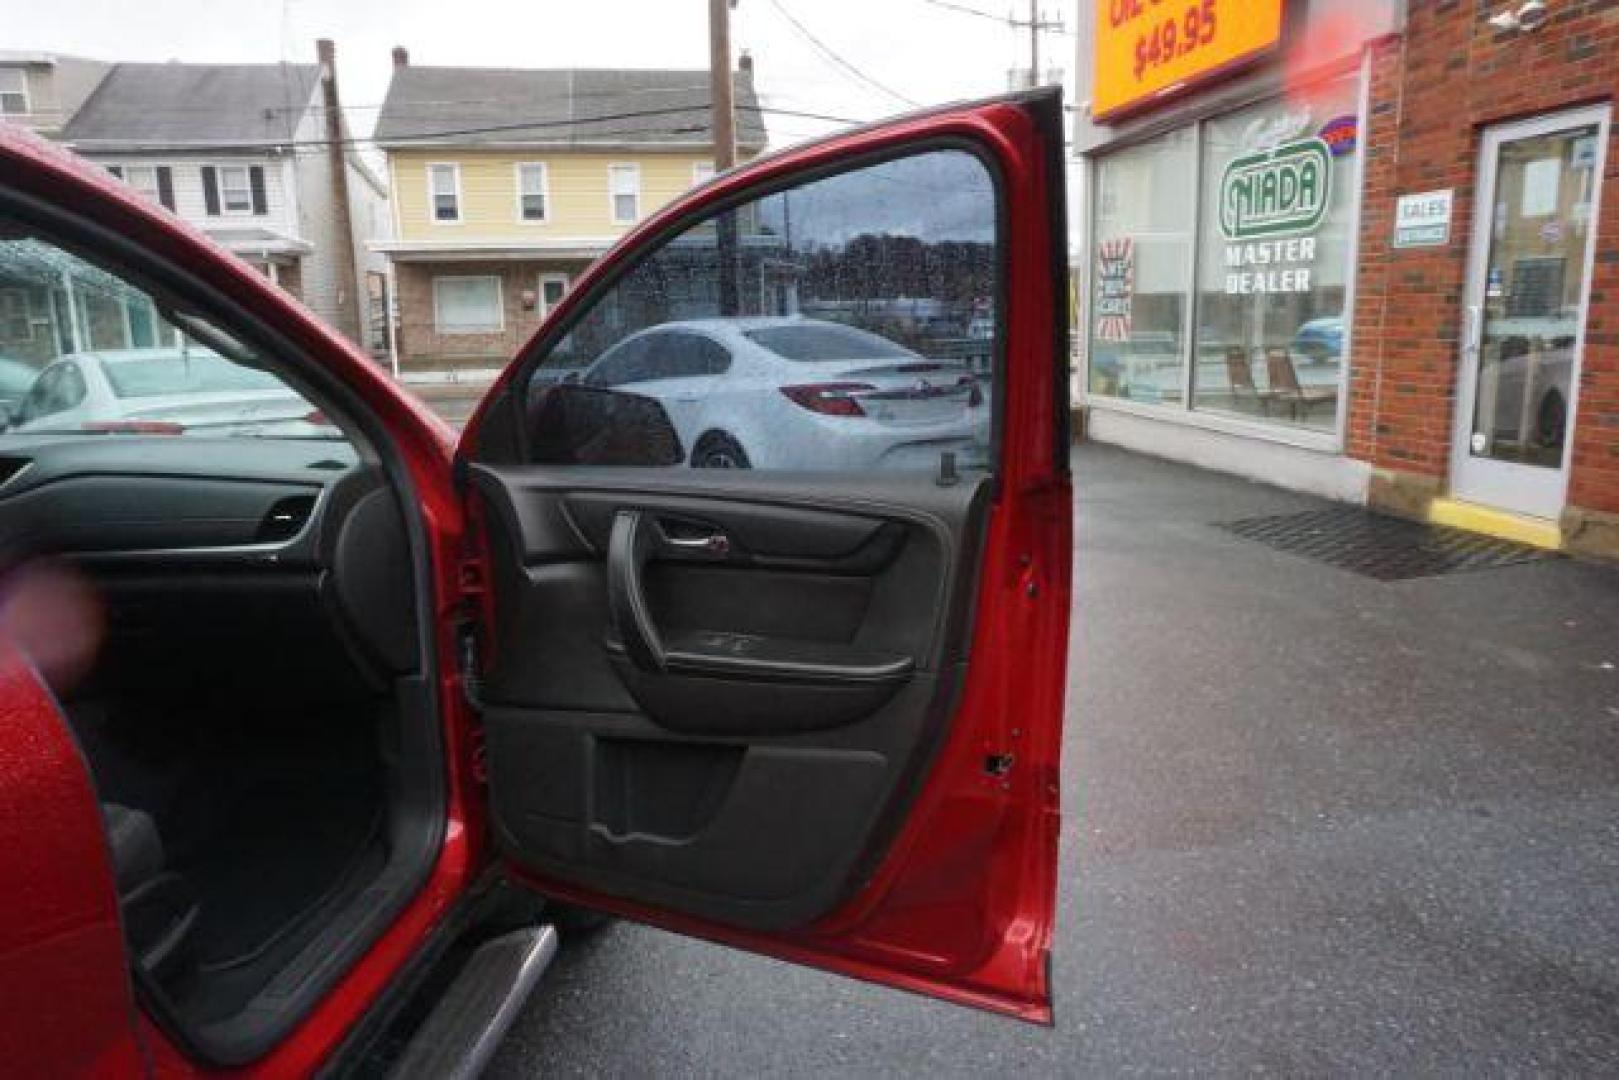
{"x":1314,"y":823}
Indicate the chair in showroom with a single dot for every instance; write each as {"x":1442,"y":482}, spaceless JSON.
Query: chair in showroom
{"x":1284,"y":383}
{"x":1239,"y":370}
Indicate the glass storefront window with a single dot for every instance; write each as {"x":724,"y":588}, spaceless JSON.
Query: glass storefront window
{"x":1140,"y":272}
{"x":1275,"y":238}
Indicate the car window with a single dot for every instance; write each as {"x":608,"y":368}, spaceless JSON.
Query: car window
{"x":45,"y":397}
{"x":620,"y":365}
{"x":679,"y":355}
{"x":846,"y":323}
{"x":824,"y":342}
{"x":156,"y":380}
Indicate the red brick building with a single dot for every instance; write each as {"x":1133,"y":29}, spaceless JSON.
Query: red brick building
{"x":1368,"y":249}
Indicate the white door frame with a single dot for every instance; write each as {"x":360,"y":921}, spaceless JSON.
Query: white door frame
{"x":540,"y":282}
{"x":1527,"y":489}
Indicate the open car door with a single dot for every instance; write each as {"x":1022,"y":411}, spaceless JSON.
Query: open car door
{"x":772,"y":540}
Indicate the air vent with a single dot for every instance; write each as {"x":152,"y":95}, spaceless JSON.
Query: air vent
{"x":11,"y":466}
{"x":285,"y":519}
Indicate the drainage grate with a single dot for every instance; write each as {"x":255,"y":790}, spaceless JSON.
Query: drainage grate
{"x":1381,"y":547}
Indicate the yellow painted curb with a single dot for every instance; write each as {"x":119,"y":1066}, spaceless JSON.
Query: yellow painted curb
{"x":1498,"y":523}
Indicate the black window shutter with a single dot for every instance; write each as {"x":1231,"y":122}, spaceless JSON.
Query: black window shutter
{"x":261,"y":205}
{"x":210,"y":189}
{"x":116,"y":170}
{"x":165,"y":186}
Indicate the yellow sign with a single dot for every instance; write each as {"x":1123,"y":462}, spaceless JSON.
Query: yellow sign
{"x":1146,"y":49}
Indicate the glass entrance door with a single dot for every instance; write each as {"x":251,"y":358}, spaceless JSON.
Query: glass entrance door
{"x":1529,"y":268}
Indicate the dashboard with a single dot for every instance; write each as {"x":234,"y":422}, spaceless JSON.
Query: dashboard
{"x":242,"y":500}
{"x":284,"y":559}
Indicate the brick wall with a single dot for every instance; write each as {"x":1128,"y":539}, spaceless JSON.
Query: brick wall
{"x":422,"y":347}
{"x":1432,"y":93}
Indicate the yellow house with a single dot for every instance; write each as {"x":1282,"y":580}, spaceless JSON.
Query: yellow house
{"x":507,"y":183}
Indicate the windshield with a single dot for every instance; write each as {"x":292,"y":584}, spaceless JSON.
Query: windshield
{"x":827,"y":341}
{"x":184,"y":372}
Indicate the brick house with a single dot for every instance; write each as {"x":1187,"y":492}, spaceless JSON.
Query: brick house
{"x":258,"y":156}
{"x":1287,"y":274}
{"x":507,"y":183}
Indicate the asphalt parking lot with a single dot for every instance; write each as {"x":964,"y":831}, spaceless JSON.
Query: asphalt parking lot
{"x":1315,"y":823}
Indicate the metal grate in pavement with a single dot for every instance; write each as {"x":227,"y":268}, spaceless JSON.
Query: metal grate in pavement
{"x":1378,"y":546}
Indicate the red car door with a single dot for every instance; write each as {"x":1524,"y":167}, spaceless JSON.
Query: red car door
{"x":60,"y":940}
{"x":784,"y":667}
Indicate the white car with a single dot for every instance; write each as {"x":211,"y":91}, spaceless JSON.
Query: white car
{"x":796,"y":393}
{"x":165,"y":391}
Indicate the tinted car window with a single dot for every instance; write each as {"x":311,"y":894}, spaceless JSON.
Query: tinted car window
{"x":876,"y":285}
{"x":825,"y":343}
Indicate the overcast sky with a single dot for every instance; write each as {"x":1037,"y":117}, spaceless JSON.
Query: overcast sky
{"x":915,"y":49}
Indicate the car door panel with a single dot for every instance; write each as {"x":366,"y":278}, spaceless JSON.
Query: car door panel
{"x":743,"y":795}
{"x":812,"y":710}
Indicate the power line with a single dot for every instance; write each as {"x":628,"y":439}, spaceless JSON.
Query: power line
{"x":1004,"y":20}
{"x":488,"y":129}
{"x":827,"y":52}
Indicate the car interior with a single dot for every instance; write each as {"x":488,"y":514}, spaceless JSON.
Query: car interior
{"x":256,"y":715}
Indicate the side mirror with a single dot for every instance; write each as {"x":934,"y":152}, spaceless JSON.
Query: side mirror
{"x":572,"y":424}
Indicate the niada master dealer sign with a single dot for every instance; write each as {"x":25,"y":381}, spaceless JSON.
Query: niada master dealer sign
{"x":1271,"y":202}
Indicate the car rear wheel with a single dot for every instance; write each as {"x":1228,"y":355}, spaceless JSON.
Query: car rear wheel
{"x":717,"y":450}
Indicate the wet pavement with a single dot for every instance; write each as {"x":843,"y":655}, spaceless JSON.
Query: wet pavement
{"x":1315,"y":823}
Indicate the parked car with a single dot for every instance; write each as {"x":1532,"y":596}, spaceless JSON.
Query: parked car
{"x":308,"y":743}
{"x":164,"y":391}
{"x":768,"y":392}
{"x":1528,"y":374}
{"x":1320,"y":340}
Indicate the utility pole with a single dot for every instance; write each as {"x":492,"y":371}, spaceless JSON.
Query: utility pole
{"x":720,"y":87}
{"x":723,"y":105}
{"x":1035,"y":25}
{"x":1034,"y":43}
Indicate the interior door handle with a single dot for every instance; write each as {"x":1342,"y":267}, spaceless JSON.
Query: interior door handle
{"x":628,"y":549}
{"x":712,"y":544}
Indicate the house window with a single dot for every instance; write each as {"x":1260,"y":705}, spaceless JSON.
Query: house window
{"x":152,"y":181}
{"x":467,"y":305}
{"x":531,"y":193}
{"x":143,"y":178}
{"x":553,"y":287}
{"x":236,"y":189}
{"x":701,"y":172}
{"x":16,"y":316}
{"x":624,"y":188}
{"x":444,"y":190}
{"x":13,"y":92}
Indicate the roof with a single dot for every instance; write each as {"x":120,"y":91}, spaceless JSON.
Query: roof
{"x":182,"y":105}
{"x":555,"y":107}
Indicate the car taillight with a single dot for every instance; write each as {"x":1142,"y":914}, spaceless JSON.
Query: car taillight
{"x":829,"y":398}
{"x":975,"y":393}
{"x":135,"y":427}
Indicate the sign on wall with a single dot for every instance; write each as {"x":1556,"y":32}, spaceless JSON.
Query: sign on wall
{"x":1115,"y":288}
{"x":1423,"y":219}
{"x":1147,"y":49}
{"x":1271,"y":203}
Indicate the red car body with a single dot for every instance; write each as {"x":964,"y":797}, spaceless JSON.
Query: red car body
{"x":962,"y":904}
